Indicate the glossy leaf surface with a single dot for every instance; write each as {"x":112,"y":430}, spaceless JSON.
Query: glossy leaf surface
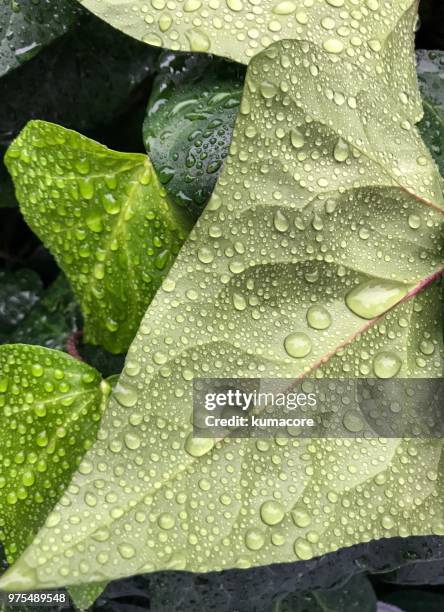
{"x":50,"y":408}
{"x":189,"y":124}
{"x":107,"y":220}
{"x":323,"y":202}
{"x":27,"y":27}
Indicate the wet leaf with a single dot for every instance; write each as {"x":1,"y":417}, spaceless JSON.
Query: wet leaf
{"x":74,"y":82}
{"x":239,"y":29}
{"x":357,"y":595}
{"x":189,"y":124}
{"x":50,"y":408}
{"x":324,"y":202}
{"x":106,"y":219}
{"x":431,"y":81}
{"x":27,"y":27}
{"x":19,"y":292}
{"x":52,"y":320}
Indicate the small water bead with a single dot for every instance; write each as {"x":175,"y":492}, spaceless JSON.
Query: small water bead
{"x":198,"y":447}
{"x":426,"y":347}
{"x":303,"y":549}
{"x":353,"y":421}
{"x":297,"y":345}
{"x":374,"y":297}
{"x":300,"y":517}
{"x":126,"y":551}
{"x":268,"y":90}
{"x":414,"y":221}
{"x":284,"y":8}
{"x":297,"y":138}
{"x":386,"y":364}
{"x":199,"y":41}
{"x":254,"y":539}
{"x":132,"y":441}
{"x":280,"y":222}
{"x":37,"y":370}
{"x":166,"y":521}
{"x":126,"y":396}
{"x":205,"y":255}
{"x":341,"y":151}
{"x":239,"y":302}
{"x":318,"y":317}
{"x":272,"y":512}
{"x":333,"y":45}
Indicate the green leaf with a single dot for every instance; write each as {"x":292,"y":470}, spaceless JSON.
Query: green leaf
{"x":74,"y":82}
{"x":240,"y":29}
{"x":106,"y":219}
{"x":189,"y":124}
{"x":27,"y":27}
{"x":19,"y":292}
{"x":326,"y":202}
{"x":52,"y":320}
{"x":431,"y":81}
{"x":50,"y":408}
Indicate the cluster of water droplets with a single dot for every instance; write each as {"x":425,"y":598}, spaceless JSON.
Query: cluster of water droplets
{"x":107,"y":220}
{"x":189,"y":124}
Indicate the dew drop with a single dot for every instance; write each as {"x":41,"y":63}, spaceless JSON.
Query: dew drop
{"x":374,"y":297}
{"x":297,"y":345}
{"x":254,"y":539}
{"x":272,"y":512}
{"x":318,"y":317}
{"x":386,"y":364}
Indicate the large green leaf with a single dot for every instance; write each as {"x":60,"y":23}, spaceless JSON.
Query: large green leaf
{"x":431,"y":81}
{"x":107,"y":220}
{"x":50,"y":409}
{"x":325,"y":202}
{"x":374,"y":34}
{"x":189,"y":124}
{"x":26,"y":27}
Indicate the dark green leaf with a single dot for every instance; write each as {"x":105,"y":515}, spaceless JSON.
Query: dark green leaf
{"x":81,"y":81}
{"x":357,"y":595}
{"x":107,"y":220}
{"x":19,"y":291}
{"x":431,"y":81}
{"x":189,"y":123}
{"x":106,"y":363}
{"x":52,"y":319}
{"x":257,"y":588}
{"x":28,"y":26}
{"x":50,"y":409}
